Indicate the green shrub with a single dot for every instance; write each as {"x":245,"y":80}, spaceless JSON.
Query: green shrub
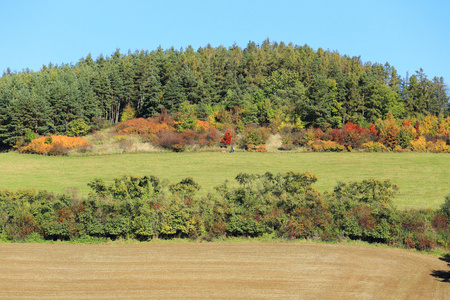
{"x":254,"y":136}
{"x":77,"y":128}
{"x":116,"y":226}
{"x":445,"y":207}
{"x":239,"y":225}
{"x":405,"y":136}
{"x":29,"y":136}
{"x":48,"y":140}
{"x":34,"y":238}
{"x":185,"y":189}
{"x":145,"y":225}
{"x":371,"y":191}
{"x":128,"y":113}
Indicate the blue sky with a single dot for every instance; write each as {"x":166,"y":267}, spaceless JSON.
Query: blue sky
{"x":407,"y":34}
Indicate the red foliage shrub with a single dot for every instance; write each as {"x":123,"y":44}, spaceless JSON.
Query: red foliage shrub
{"x":299,"y":227}
{"x":424,"y":243}
{"x":440,"y":223}
{"x":188,"y":136}
{"x":227,"y":138}
{"x":318,"y":133}
{"x":409,"y":242}
{"x":27,"y":225}
{"x":176,"y":141}
{"x":218,"y":228}
{"x":365,"y":218}
{"x":58,"y":149}
{"x":372,"y":132}
{"x":338,"y":136}
{"x":413,"y":222}
{"x":168,"y":139}
{"x":353,"y":127}
{"x":416,"y":127}
{"x":353,"y":136}
{"x":209,"y":137}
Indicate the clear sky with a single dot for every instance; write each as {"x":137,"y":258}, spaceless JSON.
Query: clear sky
{"x":408,"y":34}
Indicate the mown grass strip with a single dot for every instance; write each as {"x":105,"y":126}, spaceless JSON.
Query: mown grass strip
{"x":423,"y":178}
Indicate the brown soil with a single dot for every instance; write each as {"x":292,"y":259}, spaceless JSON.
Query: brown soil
{"x":219,"y":270}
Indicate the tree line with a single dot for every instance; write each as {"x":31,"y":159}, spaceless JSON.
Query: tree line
{"x":266,"y":82}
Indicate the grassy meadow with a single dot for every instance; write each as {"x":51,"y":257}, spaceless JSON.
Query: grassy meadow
{"x":423,"y":178}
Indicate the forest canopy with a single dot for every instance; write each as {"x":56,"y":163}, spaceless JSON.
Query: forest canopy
{"x":269,"y":81}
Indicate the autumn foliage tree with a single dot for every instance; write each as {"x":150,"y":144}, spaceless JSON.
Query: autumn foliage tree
{"x":388,"y":131}
{"x":226,"y":139}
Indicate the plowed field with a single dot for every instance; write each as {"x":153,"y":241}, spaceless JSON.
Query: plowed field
{"x":219,"y":270}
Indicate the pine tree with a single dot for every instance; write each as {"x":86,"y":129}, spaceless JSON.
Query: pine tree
{"x":150,"y":93}
{"x":173,"y":94}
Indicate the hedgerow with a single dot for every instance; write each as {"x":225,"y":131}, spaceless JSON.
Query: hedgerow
{"x":285,"y":205}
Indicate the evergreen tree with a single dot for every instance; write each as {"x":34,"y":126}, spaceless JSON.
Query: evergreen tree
{"x":174,"y":94}
{"x":439,"y":99}
{"x":150,"y":94}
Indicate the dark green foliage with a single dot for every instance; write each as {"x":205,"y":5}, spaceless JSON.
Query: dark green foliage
{"x":186,"y":117}
{"x":404,"y":138}
{"x":29,"y":136}
{"x":48,"y":140}
{"x":185,"y":189}
{"x":128,"y":187}
{"x":371,"y":192}
{"x":362,"y":210}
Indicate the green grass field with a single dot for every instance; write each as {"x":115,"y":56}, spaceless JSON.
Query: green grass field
{"x":423,"y":178}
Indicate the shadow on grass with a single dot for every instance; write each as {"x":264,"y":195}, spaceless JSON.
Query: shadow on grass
{"x":443,"y":276}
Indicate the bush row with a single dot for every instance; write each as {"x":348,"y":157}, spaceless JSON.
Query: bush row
{"x":222,"y":128}
{"x":431,"y":134}
{"x":285,"y":205}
